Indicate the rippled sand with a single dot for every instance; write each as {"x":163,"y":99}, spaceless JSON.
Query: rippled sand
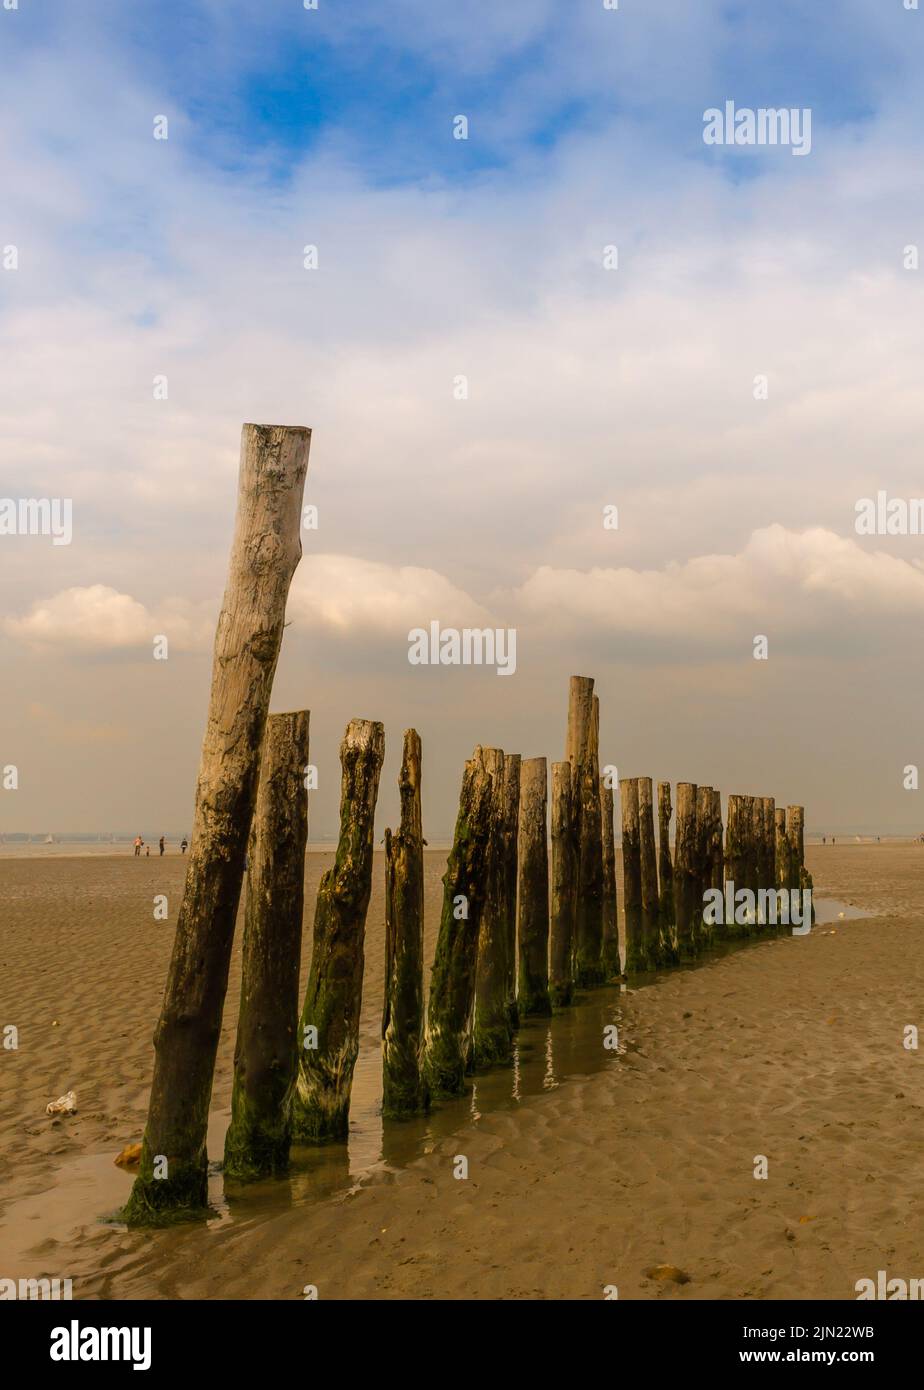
{"x":586,"y":1168}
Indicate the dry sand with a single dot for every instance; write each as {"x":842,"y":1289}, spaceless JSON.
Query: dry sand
{"x":586,"y":1168}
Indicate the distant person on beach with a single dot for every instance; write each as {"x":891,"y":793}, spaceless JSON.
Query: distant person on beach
{"x":184,"y":846}
{"x":822,"y":839}
{"x":138,"y":843}
{"x":161,"y":843}
{"x":147,"y":851}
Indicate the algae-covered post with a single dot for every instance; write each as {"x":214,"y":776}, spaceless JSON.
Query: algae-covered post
{"x":511,"y":815}
{"x":702,"y":929}
{"x":564,"y":887}
{"x":492,"y":1036}
{"x":533,"y":898}
{"x":717,"y":858}
{"x":666,"y":914}
{"x":329,"y":1028}
{"x":612,"y":964}
{"x":769,"y":813}
{"x":800,"y":877}
{"x":782,"y":850}
{"x":265,"y":1055}
{"x":632,"y":876}
{"x":583,"y":754}
{"x":265,"y":552}
{"x":686,"y":872}
{"x":735,"y":864}
{"x":452,"y":981}
{"x":402,"y":1016}
{"x":651,"y":931}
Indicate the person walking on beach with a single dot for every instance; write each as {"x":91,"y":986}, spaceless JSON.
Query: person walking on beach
{"x":138,"y":843}
{"x":184,"y":845}
{"x":161,"y":842}
{"x":147,"y":851}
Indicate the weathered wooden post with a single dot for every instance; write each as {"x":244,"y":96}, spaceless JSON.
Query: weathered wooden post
{"x":666,"y":914}
{"x":686,"y":873}
{"x":612,"y":965}
{"x":703,"y":931}
{"x":648,"y":862}
{"x":800,"y":878}
{"x":582,"y":753}
{"x":735,"y":861}
{"x":533,"y":899}
{"x":264,"y":554}
{"x":492,"y":1036}
{"x":636,"y":959}
{"x":452,"y":980}
{"x":265,"y":1054}
{"x":717,"y":860}
{"x":564,"y":887}
{"x":329,"y":1028}
{"x":403,"y":1092}
{"x":783,"y":871}
{"x":511,"y":816}
{"x":768,"y":882}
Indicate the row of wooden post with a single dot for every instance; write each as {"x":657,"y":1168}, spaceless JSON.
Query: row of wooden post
{"x":517,"y":933}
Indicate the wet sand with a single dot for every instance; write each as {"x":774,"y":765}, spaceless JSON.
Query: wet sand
{"x":586,"y":1167}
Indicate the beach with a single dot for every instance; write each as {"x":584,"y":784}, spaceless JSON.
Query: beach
{"x":588,"y":1168}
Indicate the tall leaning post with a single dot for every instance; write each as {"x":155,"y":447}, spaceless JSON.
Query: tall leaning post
{"x":173,"y":1177}
{"x":533,"y":896}
{"x":612,"y":965}
{"x":564,"y":888}
{"x":636,"y":959}
{"x":782,"y":850}
{"x":703,"y":930}
{"x":329,"y":1028}
{"x":402,"y":1017}
{"x":492,"y":1034}
{"x":265,"y":1055}
{"x":452,"y":980}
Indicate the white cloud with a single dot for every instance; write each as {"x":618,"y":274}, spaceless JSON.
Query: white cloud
{"x":345,"y":595}
{"x":794,"y":580}
{"x":99,"y":618}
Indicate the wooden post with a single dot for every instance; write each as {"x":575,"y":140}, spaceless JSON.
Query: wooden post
{"x":264,"y":554}
{"x":582,"y":752}
{"x":403,"y":1014}
{"x":648,"y":862}
{"x":735,"y":861}
{"x":492,"y":1037}
{"x":769,"y":819}
{"x":703,"y":931}
{"x":612,"y":965}
{"x":564,"y":887}
{"x":782,"y":850}
{"x":759,"y":856}
{"x":265,"y":1055}
{"x":667,"y":917}
{"x":329,"y":1029}
{"x":686,"y":874}
{"x":511,"y":816}
{"x":452,"y":981}
{"x":636,"y":959}
{"x":800,"y":878}
{"x":717,"y":860}
{"x":533,"y":899}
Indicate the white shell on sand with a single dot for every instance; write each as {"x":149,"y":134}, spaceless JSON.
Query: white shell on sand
{"x":64,"y":1105}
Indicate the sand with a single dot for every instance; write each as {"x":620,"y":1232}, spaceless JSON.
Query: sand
{"x":586,"y":1168}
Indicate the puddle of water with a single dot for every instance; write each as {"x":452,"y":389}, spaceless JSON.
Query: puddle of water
{"x":828,"y":910}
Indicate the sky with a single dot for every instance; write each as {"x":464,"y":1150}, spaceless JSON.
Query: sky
{"x":742,"y":373}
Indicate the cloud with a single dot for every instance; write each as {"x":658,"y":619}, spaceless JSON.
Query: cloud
{"x":786,"y":580}
{"x":345,"y":595}
{"x":99,"y":618}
